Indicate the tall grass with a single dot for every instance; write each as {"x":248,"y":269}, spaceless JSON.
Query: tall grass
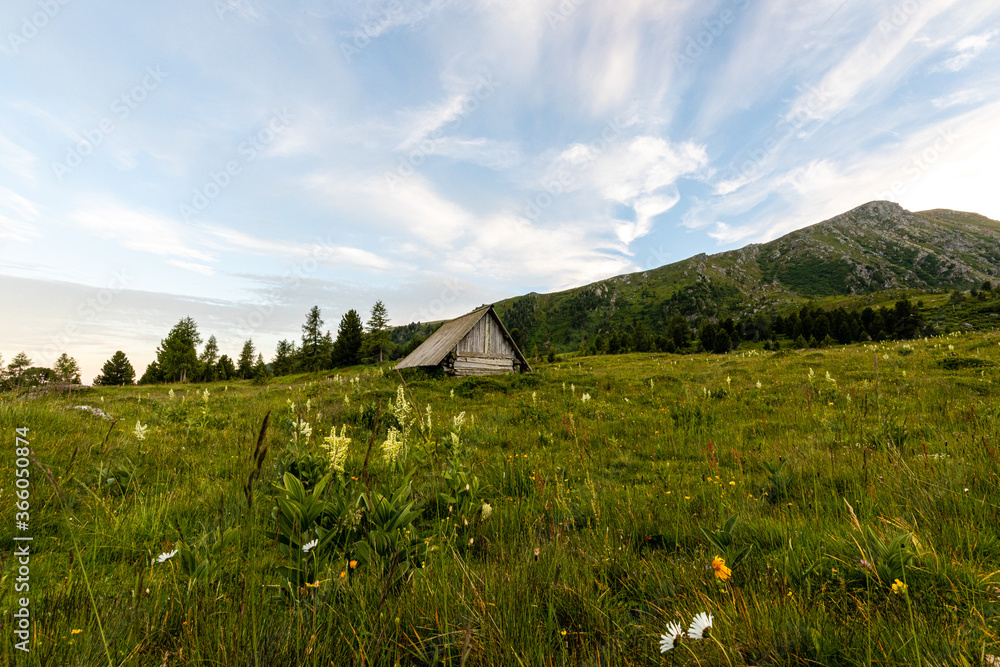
{"x":600,"y":509}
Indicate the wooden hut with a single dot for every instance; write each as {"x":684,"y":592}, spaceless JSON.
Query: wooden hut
{"x":475,"y":344}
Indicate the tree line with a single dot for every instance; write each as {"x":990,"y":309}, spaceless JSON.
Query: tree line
{"x":21,"y":373}
{"x":178,"y":358}
{"x":810,"y":326}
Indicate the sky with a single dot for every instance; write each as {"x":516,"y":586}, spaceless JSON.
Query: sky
{"x":238,"y":161}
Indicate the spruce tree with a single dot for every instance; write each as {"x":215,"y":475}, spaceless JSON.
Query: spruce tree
{"x":261,"y":373}
{"x":311,"y":351}
{"x":246,"y":361}
{"x":284,"y":358}
{"x":378,"y":331}
{"x":679,"y":331}
{"x":177,"y":355}
{"x":152,"y":375}
{"x":116,"y":372}
{"x":209,"y":358}
{"x":347,"y":347}
{"x":225,"y":368}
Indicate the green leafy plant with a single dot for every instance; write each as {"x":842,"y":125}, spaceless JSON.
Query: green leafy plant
{"x":303,"y":516}
{"x":888,"y":560}
{"x":387,"y":540}
{"x":204,"y":560}
{"x":724,"y":542}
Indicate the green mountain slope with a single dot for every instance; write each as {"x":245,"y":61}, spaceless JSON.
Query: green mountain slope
{"x":873,"y":248}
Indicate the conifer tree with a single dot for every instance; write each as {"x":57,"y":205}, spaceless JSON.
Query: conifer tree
{"x":284,"y":358}
{"x":177,"y":356}
{"x":209,"y":358}
{"x":246,"y":361}
{"x":116,"y":372}
{"x":347,"y":347}
{"x":66,"y":370}
{"x":225,"y":368}
{"x":312,"y":350}
{"x":16,"y":368}
{"x":378,"y":331}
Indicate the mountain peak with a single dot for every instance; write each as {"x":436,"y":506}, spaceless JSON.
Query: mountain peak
{"x":873,"y":247}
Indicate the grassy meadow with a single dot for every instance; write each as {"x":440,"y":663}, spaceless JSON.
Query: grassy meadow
{"x":560,"y":517}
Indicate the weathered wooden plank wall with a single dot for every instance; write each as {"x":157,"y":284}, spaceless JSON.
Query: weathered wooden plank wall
{"x":481,"y":365}
{"x":487,"y":339}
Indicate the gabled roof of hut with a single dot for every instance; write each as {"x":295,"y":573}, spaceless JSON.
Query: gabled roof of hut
{"x":437,"y":346}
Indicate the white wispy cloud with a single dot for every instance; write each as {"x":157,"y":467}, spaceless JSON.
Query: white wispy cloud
{"x":617,"y":51}
{"x":640,"y":173}
{"x":192,"y":266}
{"x":875,"y":63}
{"x":966,"y":50}
{"x":498,"y":155}
{"x":243,"y":9}
{"x":16,"y":230}
{"x":425,"y":121}
{"x":139,"y":230}
{"x":15,"y":203}
{"x":961,"y":98}
{"x":324,"y":250}
{"x":18,"y":216}
{"x":944,"y":165}
{"x":498,"y":245}
{"x":17,"y":160}
{"x":508,"y":247}
{"x":382,"y":16}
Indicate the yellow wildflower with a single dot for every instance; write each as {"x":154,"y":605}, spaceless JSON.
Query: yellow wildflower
{"x":721,"y":571}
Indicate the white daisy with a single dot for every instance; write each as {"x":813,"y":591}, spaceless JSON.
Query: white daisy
{"x":164,"y":557}
{"x":674,"y":632}
{"x":701,"y":622}
{"x":308,"y":546}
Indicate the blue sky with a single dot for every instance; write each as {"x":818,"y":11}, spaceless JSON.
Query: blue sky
{"x":240,"y":161}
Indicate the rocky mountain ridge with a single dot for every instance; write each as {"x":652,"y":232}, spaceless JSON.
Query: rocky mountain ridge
{"x":875,"y":247}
